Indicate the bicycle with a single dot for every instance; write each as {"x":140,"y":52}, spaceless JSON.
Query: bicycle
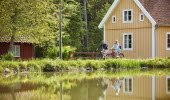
{"x":109,"y":55}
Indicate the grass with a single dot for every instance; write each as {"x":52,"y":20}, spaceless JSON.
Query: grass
{"x":60,"y":65}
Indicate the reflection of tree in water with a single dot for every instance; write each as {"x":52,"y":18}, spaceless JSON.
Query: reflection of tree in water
{"x":87,"y":90}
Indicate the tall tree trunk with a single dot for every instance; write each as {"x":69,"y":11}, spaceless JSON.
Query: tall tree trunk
{"x":85,"y":20}
{"x":60,"y":26}
{"x":12,"y":41}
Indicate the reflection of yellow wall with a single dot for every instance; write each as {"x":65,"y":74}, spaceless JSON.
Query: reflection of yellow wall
{"x":142,"y":90}
{"x":142,"y":31}
{"x":161,"y":89}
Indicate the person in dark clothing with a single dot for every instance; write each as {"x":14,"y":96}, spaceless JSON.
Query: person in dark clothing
{"x":105,"y":48}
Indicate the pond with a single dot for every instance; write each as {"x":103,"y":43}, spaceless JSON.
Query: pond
{"x":99,"y":85}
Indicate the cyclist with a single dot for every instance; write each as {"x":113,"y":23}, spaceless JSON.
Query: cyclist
{"x":104,"y":50}
{"x":116,"y":48}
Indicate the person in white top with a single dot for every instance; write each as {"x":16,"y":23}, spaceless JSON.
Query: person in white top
{"x":116,"y":47}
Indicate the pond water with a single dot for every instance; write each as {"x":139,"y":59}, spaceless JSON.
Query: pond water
{"x":100,"y":85}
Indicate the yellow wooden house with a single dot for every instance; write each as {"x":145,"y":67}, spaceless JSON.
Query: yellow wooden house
{"x":141,"y":26}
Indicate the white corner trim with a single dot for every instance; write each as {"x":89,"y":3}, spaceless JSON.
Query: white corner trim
{"x":124,"y":16}
{"x":167,"y":41}
{"x":153,"y":42}
{"x":167,"y":77}
{"x":153,"y":87}
{"x":104,"y":36}
{"x":109,"y":12}
{"x":127,"y":49}
{"x":145,"y":12}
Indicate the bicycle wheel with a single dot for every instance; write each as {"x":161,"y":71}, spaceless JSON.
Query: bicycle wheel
{"x":98,"y":56}
{"x":109,"y":55}
{"x":121,"y":55}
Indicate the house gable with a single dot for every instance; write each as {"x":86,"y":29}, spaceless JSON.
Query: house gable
{"x":129,"y":4}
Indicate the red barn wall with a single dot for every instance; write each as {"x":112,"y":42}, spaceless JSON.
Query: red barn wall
{"x":26,"y":50}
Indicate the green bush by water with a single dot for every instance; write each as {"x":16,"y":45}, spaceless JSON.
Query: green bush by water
{"x":9,"y":56}
{"x":58,"y":65}
{"x":53,"y":53}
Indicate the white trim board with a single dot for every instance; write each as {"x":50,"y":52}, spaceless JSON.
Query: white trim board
{"x":153,"y":42}
{"x":124,"y":85}
{"x":114,"y":18}
{"x":104,"y":37}
{"x":114,"y":5}
{"x":145,"y":12}
{"x":167,"y":77}
{"x":123,"y":21}
{"x":125,"y":49}
{"x":167,"y":33}
{"x":140,"y":17}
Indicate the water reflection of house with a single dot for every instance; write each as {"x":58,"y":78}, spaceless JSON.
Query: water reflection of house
{"x":141,"y":88}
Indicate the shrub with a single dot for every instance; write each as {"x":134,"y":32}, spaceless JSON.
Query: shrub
{"x":53,"y":53}
{"x":9,"y":56}
{"x":49,"y":66}
{"x":33,"y":66}
{"x":1,"y":69}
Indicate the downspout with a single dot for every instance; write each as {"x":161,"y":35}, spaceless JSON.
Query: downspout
{"x":153,"y":42}
{"x":154,"y":28}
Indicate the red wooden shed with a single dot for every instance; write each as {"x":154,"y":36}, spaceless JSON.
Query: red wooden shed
{"x":22,"y":49}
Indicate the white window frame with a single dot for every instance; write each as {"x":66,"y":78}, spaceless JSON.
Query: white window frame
{"x":113,"y":20}
{"x":124,"y":16}
{"x":125,"y":85}
{"x":167,"y":77}
{"x":15,"y":50}
{"x":124,"y":40}
{"x":140,"y":18}
{"x":168,"y":33}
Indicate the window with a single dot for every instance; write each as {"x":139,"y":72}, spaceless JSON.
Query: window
{"x":141,"y":17}
{"x":113,"y":19}
{"x":128,"y":85}
{"x":168,"y":41}
{"x":127,"y":41}
{"x":16,"y":50}
{"x":127,"y":16}
{"x":168,"y":85}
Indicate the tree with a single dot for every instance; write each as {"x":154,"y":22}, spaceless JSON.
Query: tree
{"x":26,"y":18}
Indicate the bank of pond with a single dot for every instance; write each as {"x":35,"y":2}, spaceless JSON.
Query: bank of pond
{"x":46,"y":65}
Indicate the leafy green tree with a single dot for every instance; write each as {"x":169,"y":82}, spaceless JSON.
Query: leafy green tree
{"x":27,"y":18}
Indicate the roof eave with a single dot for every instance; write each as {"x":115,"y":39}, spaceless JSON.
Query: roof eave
{"x":164,"y":24}
{"x":114,"y":6}
{"x":145,"y":12}
{"x":109,"y":12}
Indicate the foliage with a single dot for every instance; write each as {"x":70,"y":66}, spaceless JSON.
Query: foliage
{"x":53,"y":53}
{"x":27,"y":18}
{"x":60,"y":65}
{"x":38,"y":20}
{"x":9,"y":56}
